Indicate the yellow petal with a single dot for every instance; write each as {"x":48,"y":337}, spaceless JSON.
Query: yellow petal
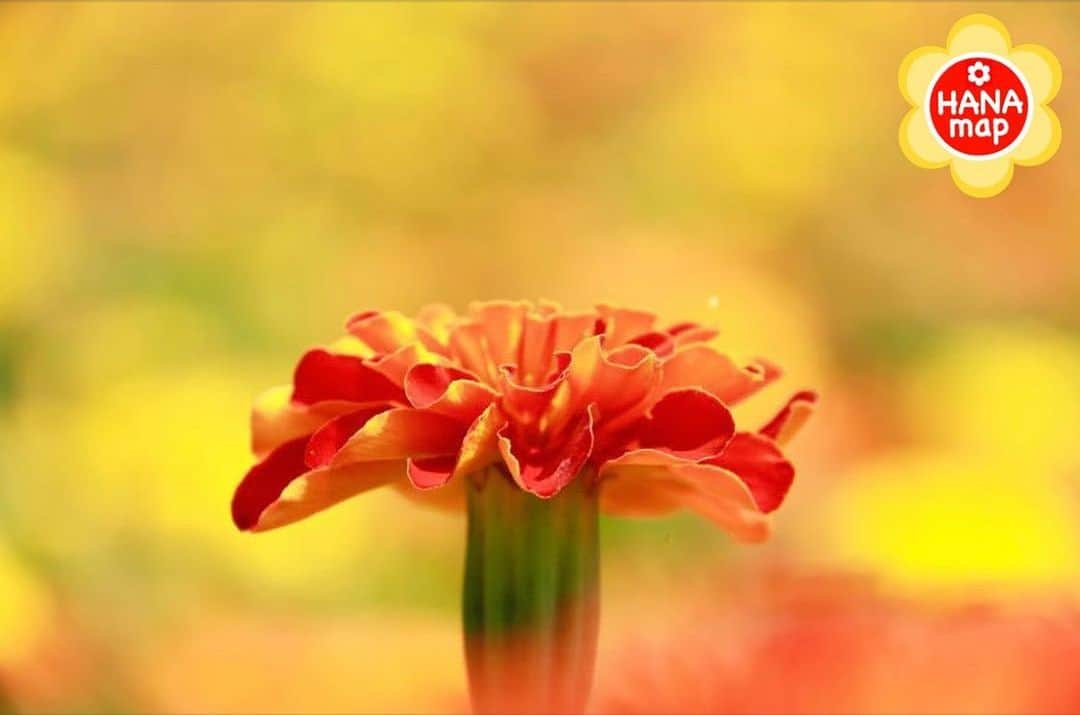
{"x":322,"y":488}
{"x":982,"y":179}
{"x":918,"y":144}
{"x":1041,"y":68}
{"x":979,"y":33}
{"x":1042,"y":140}
{"x":648,"y":482}
{"x":275,"y":419}
{"x":401,"y":433}
{"x":351,"y":345}
{"x":916,"y":71}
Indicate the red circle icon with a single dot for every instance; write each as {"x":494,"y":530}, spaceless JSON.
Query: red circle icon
{"x":979,"y":106}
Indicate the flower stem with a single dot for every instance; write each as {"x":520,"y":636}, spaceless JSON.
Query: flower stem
{"x":531,"y":605}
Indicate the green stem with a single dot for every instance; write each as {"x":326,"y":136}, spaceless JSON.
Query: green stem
{"x":531,"y":603}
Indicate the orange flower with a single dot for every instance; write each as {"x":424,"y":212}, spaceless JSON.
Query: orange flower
{"x":547,"y":395}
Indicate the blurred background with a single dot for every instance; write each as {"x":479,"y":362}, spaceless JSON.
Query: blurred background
{"x":191,"y":194}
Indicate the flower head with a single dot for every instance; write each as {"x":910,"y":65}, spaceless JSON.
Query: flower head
{"x":549,"y":395}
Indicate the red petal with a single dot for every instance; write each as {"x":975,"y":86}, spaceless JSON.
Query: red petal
{"x":526,"y":403}
{"x":700,"y":365}
{"x":322,"y":375}
{"x":425,"y":384}
{"x":432,"y":472}
{"x":791,"y":417}
{"x":332,"y":436}
{"x":760,"y":463}
{"x":544,"y":472}
{"x":659,"y":343}
{"x":623,"y":324}
{"x":264,"y":482}
{"x":688,"y":422}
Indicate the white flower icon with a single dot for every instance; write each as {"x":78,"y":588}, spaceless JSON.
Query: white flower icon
{"x":978,"y":73}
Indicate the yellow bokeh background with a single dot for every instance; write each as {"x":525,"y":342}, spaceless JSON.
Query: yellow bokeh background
{"x":193,"y":193}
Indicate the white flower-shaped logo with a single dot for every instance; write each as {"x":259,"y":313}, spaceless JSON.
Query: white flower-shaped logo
{"x":978,"y":73}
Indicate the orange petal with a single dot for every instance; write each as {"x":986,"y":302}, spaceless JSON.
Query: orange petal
{"x":319,"y":489}
{"x":613,"y":381}
{"x":790,"y":419}
{"x":280,"y":489}
{"x":468,"y":347}
{"x":383,"y":332}
{"x":448,"y":391}
{"x":276,"y":419}
{"x":524,"y":403}
{"x":649,"y":483}
{"x":425,"y":384}
{"x":328,"y":440}
{"x":402,"y":433}
{"x":760,"y":463}
{"x":702,"y":366}
{"x":691,"y":336}
{"x":660,"y":343}
{"x":437,"y":318}
{"x":478,"y":450}
{"x":535,"y":349}
{"x":479,"y":447}
{"x":544,"y":472}
{"x":431,"y":472}
{"x":396,"y":365}
{"x":622,"y":324}
{"x":569,"y":329}
{"x":502,"y":323}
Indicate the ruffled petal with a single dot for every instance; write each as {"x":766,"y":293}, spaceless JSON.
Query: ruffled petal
{"x":322,"y":375}
{"x":693,"y":336}
{"x":688,"y":423}
{"x":281,"y":489}
{"x":437,"y":319}
{"x":759,"y":462}
{"x":614,"y":381}
{"x":651,"y":483}
{"x":660,"y":343}
{"x":468,"y":347}
{"x":402,"y":433}
{"x":276,"y":419}
{"x":791,"y":417}
{"x":431,"y":472}
{"x":479,"y":448}
{"x":702,"y":366}
{"x":621,"y":325}
{"x":524,"y":403}
{"x":426,"y":384}
{"x":263,"y":482}
{"x":383,"y":332}
{"x":449,"y":392}
{"x":328,"y":440}
{"x":320,"y":489}
{"x":396,"y":365}
{"x":502,"y":328}
{"x":544,"y":471}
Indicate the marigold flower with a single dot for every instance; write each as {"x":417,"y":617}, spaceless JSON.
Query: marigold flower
{"x":534,"y":419}
{"x":546,"y":395}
